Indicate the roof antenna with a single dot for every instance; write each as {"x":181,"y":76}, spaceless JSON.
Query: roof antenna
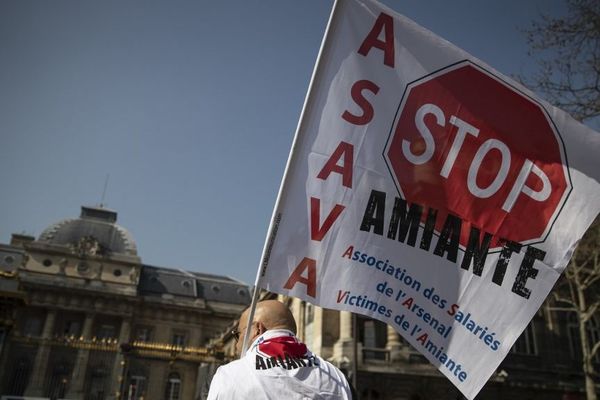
{"x":104,"y":191}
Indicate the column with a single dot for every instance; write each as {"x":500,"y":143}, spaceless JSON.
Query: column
{"x":317,"y":332}
{"x":204,"y":376}
{"x":36,"y":383}
{"x":195,"y":339}
{"x":301,"y":319}
{"x":79,"y":370}
{"x":393,"y":343}
{"x":343,"y":349}
{"x":157,"y":375}
{"x":345,"y":326}
{"x":119,"y":367}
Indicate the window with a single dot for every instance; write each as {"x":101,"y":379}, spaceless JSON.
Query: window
{"x":137,"y":388}
{"x":143,"y":334}
{"x":106,"y":331}
{"x":525,"y":344}
{"x":173,"y":388}
{"x":373,"y":335}
{"x":593,"y":331}
{"x":2,"y":337}
{"x":32,"y":326}
{"x":21,"y":372}
{"x":59,"y":380}
{"x":97,"y":389}
{"x":72,"y":328}
{"x":370,"y":394}
{"x":178,"y":339}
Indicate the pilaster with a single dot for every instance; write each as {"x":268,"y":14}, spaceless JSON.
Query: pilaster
{"x":40,"y":364}
{"x":119,"y":365}
{"x":79,"y":371}
{"x":343,"y":349}
{"x":393,"y":343}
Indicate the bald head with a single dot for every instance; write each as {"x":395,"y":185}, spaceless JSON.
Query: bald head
{"x":275,"y":315}
{"x":272,"y":314}
{"x":269,"y":314}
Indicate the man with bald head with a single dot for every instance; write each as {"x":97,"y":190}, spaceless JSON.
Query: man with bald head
{"x":277,"y":365}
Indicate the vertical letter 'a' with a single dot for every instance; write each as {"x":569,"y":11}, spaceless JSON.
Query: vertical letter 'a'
{"x":310,"y":280}
{"x":383,"y":23}
{"x":345,"y":150}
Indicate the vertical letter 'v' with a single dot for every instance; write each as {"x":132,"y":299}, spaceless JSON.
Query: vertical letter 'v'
{"x":318,"y":232}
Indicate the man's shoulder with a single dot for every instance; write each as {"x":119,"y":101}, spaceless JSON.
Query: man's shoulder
{"x":225,"y":382}
{"x":232,"y":367}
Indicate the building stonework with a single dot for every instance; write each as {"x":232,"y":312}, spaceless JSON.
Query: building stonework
{"x":81,"y":317}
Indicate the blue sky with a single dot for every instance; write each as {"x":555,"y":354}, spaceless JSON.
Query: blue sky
{"x":189,"y":106}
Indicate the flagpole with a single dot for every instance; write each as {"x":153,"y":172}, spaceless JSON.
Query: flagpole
{"x":354,"y":352}
{"x":276,"y":216}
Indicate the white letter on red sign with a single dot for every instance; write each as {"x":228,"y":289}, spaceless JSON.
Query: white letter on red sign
{"x":463,"y":129}
{"x":425,"y":132}
{"x":520,"y":186}
{"x":484,"y":193}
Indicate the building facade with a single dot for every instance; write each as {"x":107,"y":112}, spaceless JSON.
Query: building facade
{"x":544,"y":363}
{"x":81,"y":317}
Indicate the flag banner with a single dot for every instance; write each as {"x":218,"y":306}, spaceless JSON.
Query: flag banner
{"x":427,"y":190}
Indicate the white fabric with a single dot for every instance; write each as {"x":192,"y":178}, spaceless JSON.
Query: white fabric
{"x":245,"y":378}
{"x":397,"y":204}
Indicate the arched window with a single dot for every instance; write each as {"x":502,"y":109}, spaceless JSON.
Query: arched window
{"x":173,"y":389}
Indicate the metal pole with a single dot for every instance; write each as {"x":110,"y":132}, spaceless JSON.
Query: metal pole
{"x":354,"y":352}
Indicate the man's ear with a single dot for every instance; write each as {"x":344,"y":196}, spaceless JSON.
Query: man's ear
{"x":261,"y":328}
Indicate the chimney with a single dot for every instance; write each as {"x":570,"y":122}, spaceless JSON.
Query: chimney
{"x":19,"y":239}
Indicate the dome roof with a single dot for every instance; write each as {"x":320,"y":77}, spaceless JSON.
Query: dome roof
{"x":96,"y":225}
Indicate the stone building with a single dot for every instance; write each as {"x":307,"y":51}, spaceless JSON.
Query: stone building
{"x":81,"y":317}
{"x":545,"y":362}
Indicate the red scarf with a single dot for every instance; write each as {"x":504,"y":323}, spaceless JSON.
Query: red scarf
{"x":282,"y":346}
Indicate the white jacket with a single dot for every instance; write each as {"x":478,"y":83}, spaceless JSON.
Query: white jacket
{"x":279,"y":366}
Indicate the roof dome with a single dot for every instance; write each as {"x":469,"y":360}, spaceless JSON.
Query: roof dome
{"x":96,"y":225}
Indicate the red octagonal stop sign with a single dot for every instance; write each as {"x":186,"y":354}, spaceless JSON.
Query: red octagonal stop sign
{"x":465,"y":142}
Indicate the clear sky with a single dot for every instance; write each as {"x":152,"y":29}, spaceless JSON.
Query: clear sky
{"x":189,"y":106}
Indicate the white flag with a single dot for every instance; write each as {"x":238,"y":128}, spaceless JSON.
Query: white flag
{"x":428,"y":191}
